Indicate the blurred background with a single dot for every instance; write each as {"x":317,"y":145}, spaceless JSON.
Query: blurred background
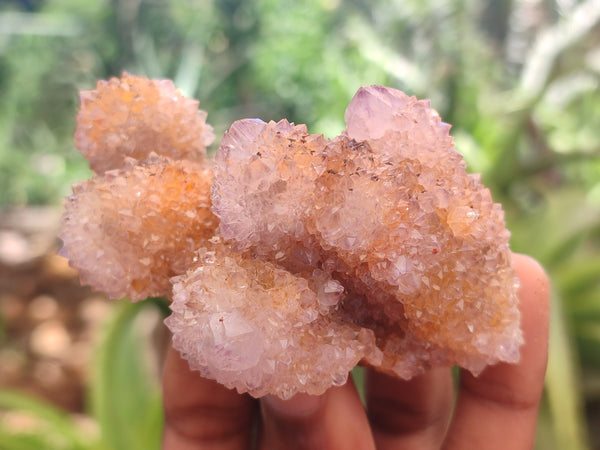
{"x":518,"y":79}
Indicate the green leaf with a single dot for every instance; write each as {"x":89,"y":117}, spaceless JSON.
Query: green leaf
{"x":359,"y":376}
{"x":12,"y":441}
{"x":126,"y":397}
{"x":588,"y":342}
{"x":55,"y":428}
{"x":584,"y":307}
{"x":546,"y":235}
{"x":562,"y":387}
{"x":544,"y":434}
{"x":577,"y":277}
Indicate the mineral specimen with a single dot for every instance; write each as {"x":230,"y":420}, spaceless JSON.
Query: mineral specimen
{"x":133,"y":116}
{"x":129,"y":230}
{"x":256,"y":327}
{"x":307,"y":255}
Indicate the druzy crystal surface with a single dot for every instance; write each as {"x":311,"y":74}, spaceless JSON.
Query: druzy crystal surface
{"x":130,"y":230}
{"x":133,"y":116}
{"x":292,"y":257}
{"x":140,"y":219}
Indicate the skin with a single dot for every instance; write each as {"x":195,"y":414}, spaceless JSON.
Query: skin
{"x":497,"y":410}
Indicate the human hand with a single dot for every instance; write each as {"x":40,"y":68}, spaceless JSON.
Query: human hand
{"x":497,"y":410}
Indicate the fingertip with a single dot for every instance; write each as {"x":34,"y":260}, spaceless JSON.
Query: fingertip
{"x":309,"y":421}
{"x":534,"y":296}
{"x":523,"y":258}
{"x":409,"y":413}
{"x":300,"y":406}
{"x":201,"y":412}
{"x":529,"y":270}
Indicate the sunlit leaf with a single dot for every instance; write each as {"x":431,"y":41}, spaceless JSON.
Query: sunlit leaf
{"x":125,"y":393}
{"x":588,"y":341}
{"x":563,"y":391}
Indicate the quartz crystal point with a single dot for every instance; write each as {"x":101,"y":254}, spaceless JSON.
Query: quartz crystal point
{"x":133,"y":116}
{"x":294,"y":257}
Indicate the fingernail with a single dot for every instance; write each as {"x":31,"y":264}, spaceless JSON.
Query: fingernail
{"x":297,"y":407}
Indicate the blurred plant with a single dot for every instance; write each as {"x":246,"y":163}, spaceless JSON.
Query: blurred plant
{"x":519,"y":80}
{"x":30,"y":424}
{"x":125,"y":409}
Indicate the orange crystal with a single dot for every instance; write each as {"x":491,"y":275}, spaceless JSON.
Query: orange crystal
{"x":128,"y":231}
{"x":133,"y":116}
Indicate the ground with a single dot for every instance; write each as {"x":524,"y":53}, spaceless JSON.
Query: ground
{"x":48,"y":322}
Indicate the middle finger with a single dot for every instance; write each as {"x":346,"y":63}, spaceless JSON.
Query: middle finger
{"x":411,"y":414}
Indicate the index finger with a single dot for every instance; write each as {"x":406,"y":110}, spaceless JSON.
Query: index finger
{"x":498,"y":409}
{"x":201,"y":413}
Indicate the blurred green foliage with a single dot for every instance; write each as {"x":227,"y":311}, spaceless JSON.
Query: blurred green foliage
{"x":519,"y":80}
{"x":124,"y":399}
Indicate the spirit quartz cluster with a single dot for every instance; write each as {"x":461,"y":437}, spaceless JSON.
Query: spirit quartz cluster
{"x":290,"y":258}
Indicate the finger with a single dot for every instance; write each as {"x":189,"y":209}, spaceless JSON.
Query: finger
{"x":201,"y":413}
{"x":411,"y":414}
{"x":335,"y":420}
{"x":498,"y":409}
